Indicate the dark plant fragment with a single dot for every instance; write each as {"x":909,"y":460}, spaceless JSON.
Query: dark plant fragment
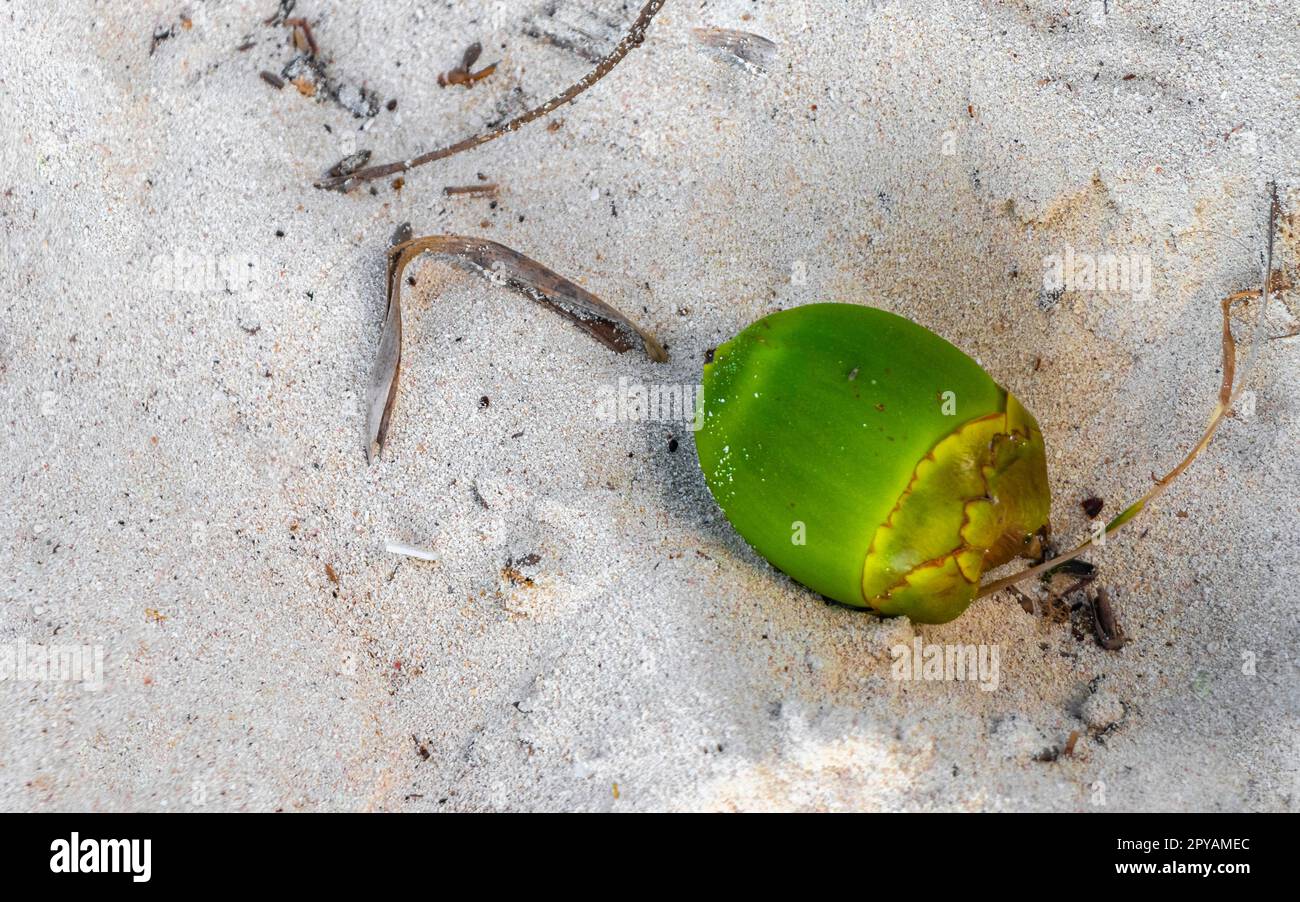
{"x":1110,"y":635}
{"x":281,"y":14}
{"x":461,"y":75}
{"x":634,"y":38}
{"x":351,"y":163}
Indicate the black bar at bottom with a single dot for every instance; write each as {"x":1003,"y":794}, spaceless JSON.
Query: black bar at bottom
{"x":303,"y":851}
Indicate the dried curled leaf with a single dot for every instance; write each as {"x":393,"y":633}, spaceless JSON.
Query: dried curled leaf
{"x":500,"y":265}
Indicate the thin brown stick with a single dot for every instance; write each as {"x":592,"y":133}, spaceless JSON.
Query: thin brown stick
{"x":633,"y":39}
{"x":487,"y":188}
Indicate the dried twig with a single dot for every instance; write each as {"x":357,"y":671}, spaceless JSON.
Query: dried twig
{"x":631,"y":40}
{"x":1227,"y":397}
{"x":501,"y":265}
{"x":490,"y":188}
{"x":1280,"y":283}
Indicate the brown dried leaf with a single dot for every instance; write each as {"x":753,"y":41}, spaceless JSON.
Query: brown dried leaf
{"x":498,"y":264}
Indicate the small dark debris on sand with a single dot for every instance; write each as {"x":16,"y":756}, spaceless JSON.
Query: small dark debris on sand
{"x":461,"y":75}
{"x":512,"y":575}
{"x":1110,"y":635}
{"x":361,"y":102}
{"x":303,"y":37}
{"x":159,"y":35}
{"x":281,"y":14}
{"x":350,"y":164}
{"x":634,"y":38}
{"x":309,"y":75}
{"x":305,"y":73}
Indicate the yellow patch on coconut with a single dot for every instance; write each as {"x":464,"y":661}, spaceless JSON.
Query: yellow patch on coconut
{"x":974,"y":502}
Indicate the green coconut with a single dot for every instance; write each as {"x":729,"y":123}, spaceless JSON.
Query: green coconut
{"x":870,"y":459}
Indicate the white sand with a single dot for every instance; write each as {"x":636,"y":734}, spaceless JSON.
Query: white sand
{"x":174,"y":486}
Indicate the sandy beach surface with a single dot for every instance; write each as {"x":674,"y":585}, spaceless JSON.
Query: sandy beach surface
{"x":187,"y":326}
